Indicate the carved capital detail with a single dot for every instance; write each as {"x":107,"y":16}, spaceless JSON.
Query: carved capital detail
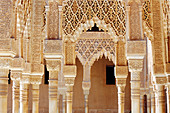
{"x":86,"y":85}
{"x":25,"y":79}
{"x":161,"y":80}
{"x":120,"y":82}
{"x":135,"y":64}
{"x":16,"y":75}
{"x":35,"y":79}
{"x":53,"y":64}
{"x":69,"y":81}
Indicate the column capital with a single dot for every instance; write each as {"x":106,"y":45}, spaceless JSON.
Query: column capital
{"x":160,"y":80}
{"x":16,"y":75}
{"x":35,"y":79}
{"x":86,"y":87}
{"x":121,"y":82}
{"x":53,"y":64}
{"x":135,"y":65}
{"x":121,"y":71}
{"x":69,"y":81}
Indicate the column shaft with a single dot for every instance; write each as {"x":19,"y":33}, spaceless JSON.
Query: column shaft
{"x":135,"y":92}
{"x":121,"y":96}
{"x":35,"y":98}
{"x":23,"y":98}
{"x":148,"y":103}
{"x":141,"y":103}
{"x":160,"y":99}
{"x":64,"y":104}
{"x":15,"y":96}
{"x":168,"y":99}
{"x":86,"y":104}
{"x":52,"y":99}
{"x":152,"y":103}
{"x":69,"y":96}
{"x":3,"y":90}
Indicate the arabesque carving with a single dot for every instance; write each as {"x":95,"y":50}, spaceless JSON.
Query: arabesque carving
{"x":81,"y":15}
{"x":88,"y":50}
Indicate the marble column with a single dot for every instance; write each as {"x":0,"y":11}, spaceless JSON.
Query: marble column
{"x":160,"y":108}
{"x":69,"y":98}
{"x":135,"y":91}
{"x":3,"y":90}
{"x":53,"y":90}
{"x":23,"y":98}
{"x":69,"y":72}
{"x":152,"y":102}
{"x":121,"y":76}
{"x":168,"y":98}
{"x":15,"y":96}
{"x":135,"y":63}
{"x":148,"y":103}
{"x":141,"y":103}
{"x":64,"y":104}
{"x":35,"y":98}
{"x":121,"y":98}
{"x":54,"y":67}
{"x":86,"y":85}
